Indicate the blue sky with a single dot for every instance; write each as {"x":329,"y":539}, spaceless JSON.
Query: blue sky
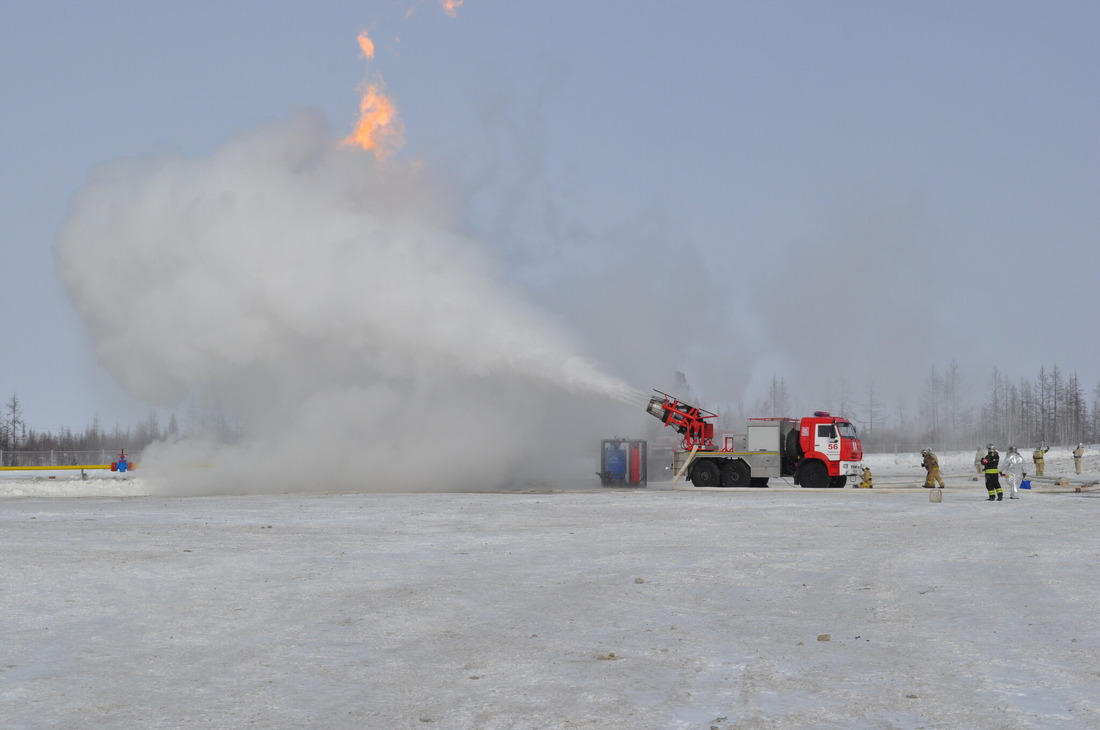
{"x":734,"y":190}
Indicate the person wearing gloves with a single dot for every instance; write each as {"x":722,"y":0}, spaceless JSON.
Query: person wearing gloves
{"x":1012,"y":469}
{"x":991,"y":463}
{"x":932,"y":469}
{"x":1038,"y":457}
{"x":867,"y":481}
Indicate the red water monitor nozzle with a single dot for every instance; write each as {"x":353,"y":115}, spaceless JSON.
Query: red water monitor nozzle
{"x":691,"y":421}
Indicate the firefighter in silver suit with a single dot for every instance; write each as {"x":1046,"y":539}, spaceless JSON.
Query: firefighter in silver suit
{"x":1012,"y":468}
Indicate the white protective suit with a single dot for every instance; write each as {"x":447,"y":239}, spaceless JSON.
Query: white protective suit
{"x":1013,"y":470}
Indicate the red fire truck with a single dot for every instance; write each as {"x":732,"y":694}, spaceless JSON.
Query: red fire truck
{"x":818,"y":451}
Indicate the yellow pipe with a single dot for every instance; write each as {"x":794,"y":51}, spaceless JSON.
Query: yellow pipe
{"x":52,"y":468}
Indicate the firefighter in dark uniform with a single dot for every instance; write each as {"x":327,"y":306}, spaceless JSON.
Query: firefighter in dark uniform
{"x":992,"y":465}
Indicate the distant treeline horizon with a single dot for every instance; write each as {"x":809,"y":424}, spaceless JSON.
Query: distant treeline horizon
{"x":1053,"y":409}
{"x":203,"y":418}
{"x":948,"y":412}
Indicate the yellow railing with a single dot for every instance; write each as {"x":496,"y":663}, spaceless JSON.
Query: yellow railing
{"x":56,"y":468}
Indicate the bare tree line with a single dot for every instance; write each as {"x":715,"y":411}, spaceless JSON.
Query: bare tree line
{"x":948,"y":413}
{"x":204,"y":417}
{"x":1053,"y":408}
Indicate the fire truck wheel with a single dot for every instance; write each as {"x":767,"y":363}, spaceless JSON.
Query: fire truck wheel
{"x":735,"y":474}
{"x":813,"y":475}
{"x":705,"y":474}
{"x":838,"y":482}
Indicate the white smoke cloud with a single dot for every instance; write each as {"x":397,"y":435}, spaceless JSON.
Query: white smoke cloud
{"x":326,"y":301}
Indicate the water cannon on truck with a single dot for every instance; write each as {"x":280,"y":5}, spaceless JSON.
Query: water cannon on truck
{"x":817,"y":451}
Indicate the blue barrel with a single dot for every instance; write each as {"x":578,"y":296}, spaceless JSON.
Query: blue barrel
{"x":615,"y":462}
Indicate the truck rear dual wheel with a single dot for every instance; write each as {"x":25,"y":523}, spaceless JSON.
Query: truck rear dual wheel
{"x":705,"y":473}
{"x":724,"y":473}
{"x":735,"y":474}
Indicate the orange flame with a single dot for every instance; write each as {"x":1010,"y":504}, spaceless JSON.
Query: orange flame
{"x":367,"y":45}
{"x":450,"y":7}
{"x":379,"y":128}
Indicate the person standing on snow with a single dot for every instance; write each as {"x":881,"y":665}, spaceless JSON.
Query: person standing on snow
{"x":1013,"y":470}
{"x":1037,"y":457}
{"x":990,"y":462}
{"x":932,"y":468}
{"x":1078,"y":453}
{"x":978,"y":456}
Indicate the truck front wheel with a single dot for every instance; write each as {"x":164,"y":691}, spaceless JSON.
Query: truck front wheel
{"x":813,"y":475}
{"x":705,"y":473}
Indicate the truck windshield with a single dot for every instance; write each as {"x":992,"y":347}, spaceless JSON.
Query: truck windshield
{"x":847,"y":431}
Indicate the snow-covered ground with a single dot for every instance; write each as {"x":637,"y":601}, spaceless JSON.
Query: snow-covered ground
{"x":566,"y":607}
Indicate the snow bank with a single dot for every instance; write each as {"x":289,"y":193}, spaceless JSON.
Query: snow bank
{"x":65,"y":483}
